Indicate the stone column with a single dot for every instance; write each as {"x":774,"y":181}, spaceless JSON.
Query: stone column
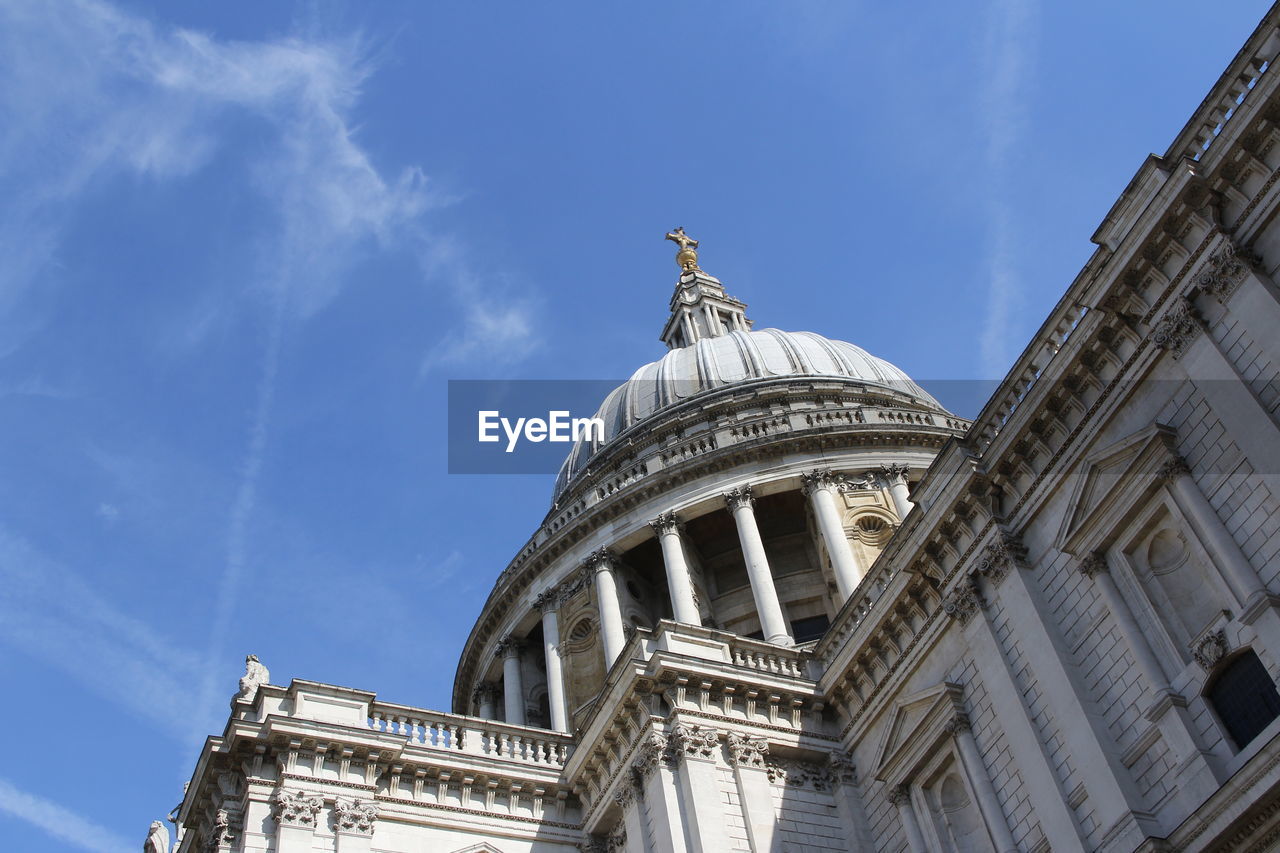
{"x":549,"y":603}
{"x":844,"y":790}
{"x":697,"y":746}
{"x":821,"y":487}
{"x":512,"y":686}
{"x":627,"y":796}
{"x":774,"y":627}
{"x":353,"y":824}
{"x":976,"y":770}
{"x":653,"y":769}
{"x":900,"y":798}
{"x":896,"y":477}
{"x":295,"y":814}
{"x":683,"y":607}
{"x":603,"y":564}
{"x":746,"y":755}
{"x":486,"y":698}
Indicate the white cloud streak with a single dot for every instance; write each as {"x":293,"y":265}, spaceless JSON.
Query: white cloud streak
{"x":1009,"y":52}
{"x":59,"y":822}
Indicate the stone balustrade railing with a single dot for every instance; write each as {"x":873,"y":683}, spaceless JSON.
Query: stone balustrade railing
{"x":469,"y":735}
{"x":767,"y":658}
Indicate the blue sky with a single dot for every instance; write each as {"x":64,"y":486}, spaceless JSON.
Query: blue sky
{"x":245,"y":245}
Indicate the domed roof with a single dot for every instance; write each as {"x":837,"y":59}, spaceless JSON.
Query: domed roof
{"x":736,"y":357}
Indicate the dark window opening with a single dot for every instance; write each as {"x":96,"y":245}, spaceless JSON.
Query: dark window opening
{"x":810,"y":628}
{"x":1245,"y":698}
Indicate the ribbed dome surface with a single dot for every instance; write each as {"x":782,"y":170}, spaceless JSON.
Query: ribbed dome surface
{"x":713,"y":363}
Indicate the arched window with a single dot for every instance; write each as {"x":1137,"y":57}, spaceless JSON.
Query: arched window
{"x":1245,"y":697}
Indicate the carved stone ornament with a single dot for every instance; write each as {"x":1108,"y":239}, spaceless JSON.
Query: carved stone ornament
{"x":255,"y":675}
{"x":508,"y":646}
{"x":865,"y":482}
{"x":747,"y":751}
{"x":841,"y":768}
{"x":1227,"y":269}
{"x":819,"y":478}
{"x":740,"y":497}
{"x":798,"y":774}
{"x":899,"y":795}
{"x":1177,"y":329}
{"x":895,"y":474}
{"x":655,"y":749}
{"x":963,"y":601}
{"x":295,"y":809}
{"x":549,"y":599}
{"x":1094,"y":563}
{"x":1172,"y":469}
{"x":957,"y":724}
{"x":602,"y":560}
{"x":219,"y":831}
{"x":617,"y":840}
{"x":668,"y":522}
{"x":1002,"y":553}
{"x":1210,"y":649}
{"x":486,"y":691}
{"x":593,"y":844}
{"x":354,"y":816}
{"x":626,"y":792}
{"x":694,"y":741}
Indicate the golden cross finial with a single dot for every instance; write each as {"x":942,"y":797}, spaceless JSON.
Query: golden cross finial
{"x":687,"y":258}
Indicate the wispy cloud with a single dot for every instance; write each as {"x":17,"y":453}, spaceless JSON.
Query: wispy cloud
{"x":1009,"y":51}
{"x":50,"y":613}
{"x":59,"y":821}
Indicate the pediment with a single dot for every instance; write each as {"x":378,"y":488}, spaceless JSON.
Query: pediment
{"x":915,"y":724}
{"x":484,"y":847}
{"x":1110,"y":479}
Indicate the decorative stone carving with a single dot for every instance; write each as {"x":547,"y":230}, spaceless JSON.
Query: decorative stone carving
{"x":1093,"y":563}
{"x":840,"y":768}
{"x":627,"y":791}
{"x":508,"y":647}
{"x":354,"y":816}
{"x":798,"y":774}
{"x":1002,"y":553}
{"x":895,"y":474}
{"x":963,"y":601}
{"x":485,"y":692}
{"x":1210,"y":649}
{"x":694,"y":741}
{"x":1178,"y":328}
{"x":747,"y":751}
{"x":593,"y":844}
{"x":668,"y":522}
{"x":739,"y":497}
{"x":655,"y":749}
{"x":295,"y":809}
{"x":818,"y":478}
{"x":549,"y":599}
{"x":1172,"y":469}
{"x":899,"y":795}
{"x":219,"y":831}
{"x":957,"y":724}
{"x":862,"y":483}
{"x":600,"y":561}
{"x":1227,"y":269}
{"x":255,"y":675}
{"x":617,"y":840}
{"x":157,"y":839}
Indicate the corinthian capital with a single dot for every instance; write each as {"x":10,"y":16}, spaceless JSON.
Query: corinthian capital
{"x":509,"y":647}
{"x":818,"y":478}
{"x":895,"y":474}
{"x":746,"y":750}
{"x":740,"y":497}
{"x":602,"y":560}
{"x":1094,"y":563}
{"x":1173,"y":468}
{"x":296,"y":808}
{"x":354,"y":817}
{"x":1178,"y":328}
{"x":668,"y":522}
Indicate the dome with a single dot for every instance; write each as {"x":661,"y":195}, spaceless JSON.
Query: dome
{"x":736,"y":357}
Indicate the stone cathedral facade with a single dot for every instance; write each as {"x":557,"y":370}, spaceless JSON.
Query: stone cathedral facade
{"x":790,"y":603}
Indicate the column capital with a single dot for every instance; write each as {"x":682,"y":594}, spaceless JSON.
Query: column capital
{"x":551,"y":598}
{"x":355,"y":816}
{"x":895,"y":473}
{"x":1093,"y":563}
{"x":900,"y":795}
{"x":747,"y":751}
{"x":694,"y":741}
{"x":1173,"y":468}
{"x":667,"y":522}
{"x":740,"y":497}
{"x":509,"y":647}
{"x":485,"y":691}
{"x":654,"y":750}
{"x":840,"y":767}
{"x":600,"y":560}
{"x":296,"y":808}
{"x":819,"y":478}
{"x":1003,"y":552}
{"x":1177,"y":328}
{"x":963,"y":601}
{"x":957,"y":724}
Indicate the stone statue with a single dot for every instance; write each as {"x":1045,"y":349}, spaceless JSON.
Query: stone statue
{"x":157,"y":839}
{"x":255,"y":675}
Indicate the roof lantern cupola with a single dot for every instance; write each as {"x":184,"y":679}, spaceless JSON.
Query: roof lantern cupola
{"x":699,"y":308}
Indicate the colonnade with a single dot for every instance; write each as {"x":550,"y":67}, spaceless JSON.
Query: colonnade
{"x":821,"y":487}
